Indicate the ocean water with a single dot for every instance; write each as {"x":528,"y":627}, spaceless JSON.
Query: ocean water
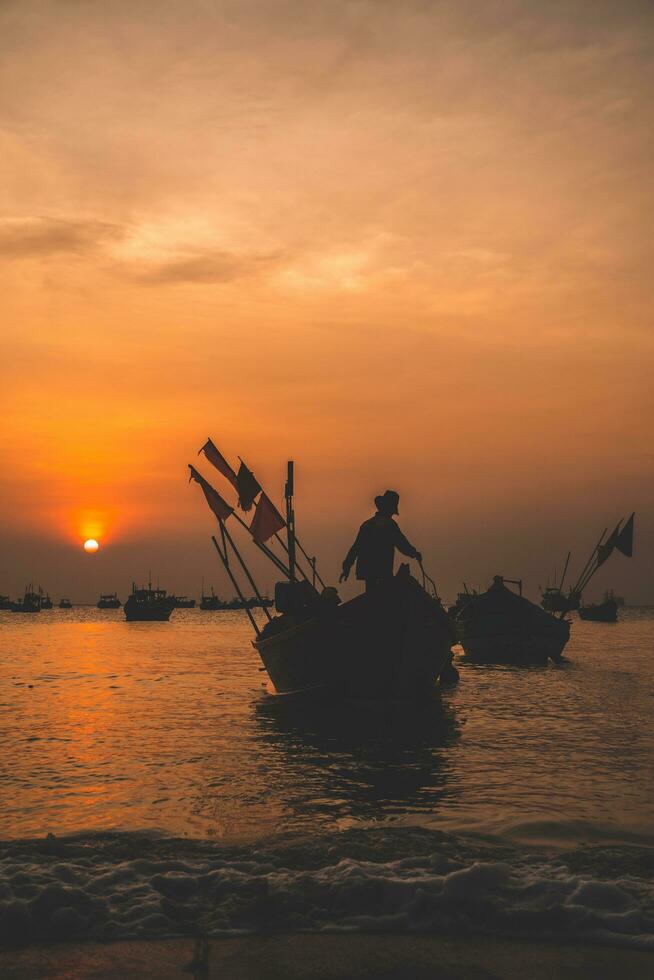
{"x":150,"y":785}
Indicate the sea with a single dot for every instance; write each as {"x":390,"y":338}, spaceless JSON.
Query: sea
{"x":151,"y":785}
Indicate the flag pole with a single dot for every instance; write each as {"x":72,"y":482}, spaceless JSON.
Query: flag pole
{"x":565,"y":569}
{"x":225,"y":560}
{"x":290,"y":519}
{"x":593,"y":555}
{"x":246,"y":570}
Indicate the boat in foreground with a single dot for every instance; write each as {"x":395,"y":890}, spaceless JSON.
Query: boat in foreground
{"x":601,"y":612}
{"x":393,"y":644}
{"x":148,"y":605}
{"x":500,"y":626}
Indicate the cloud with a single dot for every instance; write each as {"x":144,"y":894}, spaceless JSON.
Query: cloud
{"x":207,"y":266}
{"x":42,"y":237}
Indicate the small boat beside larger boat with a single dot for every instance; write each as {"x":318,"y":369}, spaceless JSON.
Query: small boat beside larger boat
{"x":500,"y":626}
{"x":109,"y":600}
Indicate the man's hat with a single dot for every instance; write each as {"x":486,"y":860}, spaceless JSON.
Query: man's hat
{"x":387,"y":502}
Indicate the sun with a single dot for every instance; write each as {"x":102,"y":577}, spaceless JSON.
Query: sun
{"x":91,"y":546}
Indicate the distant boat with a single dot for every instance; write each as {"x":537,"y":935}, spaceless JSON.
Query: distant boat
{"x":620,"y":600}
{"x":500,"y":626}
{"x":601,"y":612}
{"x":5,"y":602}
{"x":462,"y":600}
{"x":148,"y":605}
{"x":65,"y":604}
{"x":212,"y":603}
{"x":31,"y":602}
{"x":109,"y":600}
{"x":46,"y":602}
{"x":183,"y":602}
{"x":553,"y":600}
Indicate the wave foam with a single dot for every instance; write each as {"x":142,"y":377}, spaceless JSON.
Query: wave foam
{"x":114,"y":886}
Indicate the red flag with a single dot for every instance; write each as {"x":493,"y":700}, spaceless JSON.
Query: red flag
{"x":247,"y":487}
{"x":217,"y":459}
{"x":625,"y":541}
{"x":220,"y":507}
{"x":266,"y":521}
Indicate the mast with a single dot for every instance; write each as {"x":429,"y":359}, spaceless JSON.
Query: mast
{"x":290,"y":520}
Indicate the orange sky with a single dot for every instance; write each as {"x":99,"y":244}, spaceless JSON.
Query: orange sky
{"x":408,"y":244}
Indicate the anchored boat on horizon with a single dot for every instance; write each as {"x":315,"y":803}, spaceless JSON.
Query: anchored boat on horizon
{"x":148,"y":605}
{"x":109,"y":600}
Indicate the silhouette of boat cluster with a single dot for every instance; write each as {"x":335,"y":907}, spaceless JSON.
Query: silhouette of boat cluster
{"x":393,"y":642}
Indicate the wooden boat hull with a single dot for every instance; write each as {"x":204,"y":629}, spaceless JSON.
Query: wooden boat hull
{"x":519,"y":650}
{"x":144,"y":615}
{"x":391,"y":645}
{"x":500,"y":627}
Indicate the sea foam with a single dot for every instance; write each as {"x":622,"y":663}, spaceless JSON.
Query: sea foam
{"x":132,"y":885}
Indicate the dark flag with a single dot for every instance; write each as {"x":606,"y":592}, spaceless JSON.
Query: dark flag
{"x":220,"y":507}
{"x":217,"y":459}
{"x":625,"y":540}
{"x":606,"y":549}
{"x":247,"y":487}
{"x":266,"y":521}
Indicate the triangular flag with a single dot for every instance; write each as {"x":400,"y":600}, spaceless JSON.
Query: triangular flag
{"x":266,"y":521}
{"x":247,"y":487}
{"x":625,"y":540}
{"x":220,"y":507}
{"x":217,"y":459}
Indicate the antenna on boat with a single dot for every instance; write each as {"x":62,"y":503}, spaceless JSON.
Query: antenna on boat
{"x":290,"y":520}
{"x":565,"y":570}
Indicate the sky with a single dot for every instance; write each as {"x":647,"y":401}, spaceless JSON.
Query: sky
{"x":407,"y":244}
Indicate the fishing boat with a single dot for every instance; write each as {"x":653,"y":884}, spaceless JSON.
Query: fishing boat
{"x":5,"y":602}
{"x":553,"y":598}
{"x":462,"y":600}
{"x":30,"y":603}
{"x":212,"y":602}
{"x":605,"y":611}
{"x":390,"y":644}
{"x":502,"y":626}
{"x":46,"y":601}
{"x":65,"y":604}
{"x":109,"y":600}
{"x":183,"y":602}
{"x":148,"y":605}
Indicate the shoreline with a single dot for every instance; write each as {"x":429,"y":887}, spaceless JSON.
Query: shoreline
{"x":316,"y":956}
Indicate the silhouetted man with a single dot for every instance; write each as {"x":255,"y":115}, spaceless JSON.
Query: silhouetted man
{"x":374,"y":548}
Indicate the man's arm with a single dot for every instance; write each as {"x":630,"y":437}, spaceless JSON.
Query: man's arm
{"x":404,"y":546}
{"x":350,"y":558}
